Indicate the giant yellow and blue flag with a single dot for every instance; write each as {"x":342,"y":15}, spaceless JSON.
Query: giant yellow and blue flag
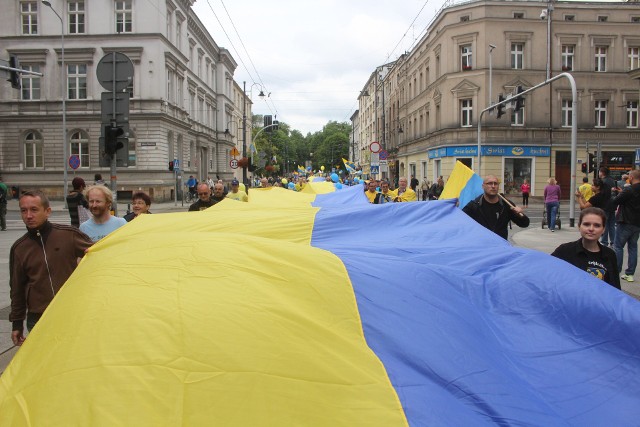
{"x":300,"y":309}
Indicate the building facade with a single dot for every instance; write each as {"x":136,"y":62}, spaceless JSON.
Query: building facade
{"x":182,"y":94}
{"x":474,"y":52}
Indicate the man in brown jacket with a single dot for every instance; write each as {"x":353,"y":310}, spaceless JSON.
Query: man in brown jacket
{"x":40,"y":262}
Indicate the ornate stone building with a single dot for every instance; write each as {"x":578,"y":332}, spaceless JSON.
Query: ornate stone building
{"x":473,"y":52}
{"x":182,"y":96}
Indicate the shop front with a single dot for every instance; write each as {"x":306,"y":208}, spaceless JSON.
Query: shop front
{"x":513,"y":163}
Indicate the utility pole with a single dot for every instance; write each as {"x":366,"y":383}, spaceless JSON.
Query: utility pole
{"x":244,"y":132}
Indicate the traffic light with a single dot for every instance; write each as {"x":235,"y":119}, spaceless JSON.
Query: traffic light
{"x":584,"y":167}
{"x":275,"y":124}
{"x":171,"y":166}
{"x":500,"y":107}
{"x":267,"y":122}
{"x":14,"y":75}
{"x":111,"y":142}
{"x":519,"y":100}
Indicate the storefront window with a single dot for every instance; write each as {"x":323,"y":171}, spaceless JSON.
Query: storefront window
{"x":515,"y":172}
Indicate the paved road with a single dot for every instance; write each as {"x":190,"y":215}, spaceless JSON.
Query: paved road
{"x":533,"y":237}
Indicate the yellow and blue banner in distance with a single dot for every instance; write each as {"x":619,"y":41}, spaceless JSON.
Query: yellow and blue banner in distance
{"x":323,"y":309}
{"x":463,"y":184}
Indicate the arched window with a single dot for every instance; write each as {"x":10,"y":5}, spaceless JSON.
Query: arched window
{"x":79,"y":144}
{"x":33,"y":157}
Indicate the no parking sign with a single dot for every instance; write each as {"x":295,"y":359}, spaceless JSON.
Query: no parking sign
{"x":74,"y":162}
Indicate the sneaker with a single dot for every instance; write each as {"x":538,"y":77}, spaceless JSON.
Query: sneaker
{"x":627,"y":277}
{"x":553,"y":230}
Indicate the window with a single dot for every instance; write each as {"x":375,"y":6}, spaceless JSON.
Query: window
{"x":601,"y":114}
{"x":601,"y":59}
{"x":517,"y":56}
{"x":634,"y":58}
{"x":178,"y":34}
{"x":518,"y":15}
{"x":569,"y":17}
{"x":170,"y":87}
{"x":568,"y":52}
{"x":76,"y":17}
{"x":29,"y":17}
{"x":77,"y":81}
{"x":123,"y":16}
{"x":602,"y":18}
{"x":80,"y":147}
{"x":632,"y":114}
{"x":33,"y":151}
{"x":466,"y":56}
{"x":464,"y":18}
{"x":567,"y":113}
{"x":466,"y":112}
{"x":169,"y":25}
{"x":517,"y":118}
{"x":30,"y":83}
{"x":179,"y":85}
{"x":635,"y":19}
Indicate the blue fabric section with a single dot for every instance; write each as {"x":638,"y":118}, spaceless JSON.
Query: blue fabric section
{"x":473,"y":331}
{"x":344,"y":196}
{"x":471,"y":190}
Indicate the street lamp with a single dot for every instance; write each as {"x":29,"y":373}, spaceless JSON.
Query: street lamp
{"x":65,"y":146}
{"x":244,"y":127}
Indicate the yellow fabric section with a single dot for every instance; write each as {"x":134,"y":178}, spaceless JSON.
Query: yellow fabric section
{"x":225,"y":317}
{"x":323,"y":187}
{"x":456,"y":182}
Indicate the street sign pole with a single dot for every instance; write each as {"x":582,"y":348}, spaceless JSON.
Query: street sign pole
{"x":115,"y":72}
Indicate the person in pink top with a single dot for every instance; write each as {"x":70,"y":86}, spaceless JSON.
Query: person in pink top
{"x":552,"y":202}
{"x":525,"y":188}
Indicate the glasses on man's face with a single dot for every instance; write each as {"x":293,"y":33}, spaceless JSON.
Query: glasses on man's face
{"x":491,"y":183}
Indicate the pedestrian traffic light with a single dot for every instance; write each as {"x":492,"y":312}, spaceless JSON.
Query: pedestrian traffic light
{"x":519,"y":100}
{"x":171,"y":166}
{"x":14,"y":75}
{"x":500,"y":107}
{"x":275,"y":124}
{"x":584,"y":167}
{"x":111,"y":142}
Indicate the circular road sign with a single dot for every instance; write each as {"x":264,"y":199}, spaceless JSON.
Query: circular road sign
{"x":375,"y":147}
{"x":383,"y":155}
{"x":118,"y":77}
{"x":74,"y":162}
{"x":233,"y":163}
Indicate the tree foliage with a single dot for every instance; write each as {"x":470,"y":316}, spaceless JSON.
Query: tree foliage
{"x":286,"y":148}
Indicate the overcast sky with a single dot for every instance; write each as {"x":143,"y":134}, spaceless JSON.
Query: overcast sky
{"x":314,"y":57}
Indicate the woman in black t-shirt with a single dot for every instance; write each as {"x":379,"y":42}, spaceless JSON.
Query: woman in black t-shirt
{"x":597,"y":200}
{"x":587,"y":253}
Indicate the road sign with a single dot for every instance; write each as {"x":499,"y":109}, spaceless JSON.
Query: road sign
{"x":383,"y":155}
{"x":74,"y":162}
{"x":121,"y":101}
{"x":375,"y":158}
{"x":375,"y":147}
{"x":375,"y":170}
{"x":115,"y":71}
{"x":233,"y":163}
{"x":235,"y":152}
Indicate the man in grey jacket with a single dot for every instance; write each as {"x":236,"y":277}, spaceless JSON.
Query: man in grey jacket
{"x":628,"y":219}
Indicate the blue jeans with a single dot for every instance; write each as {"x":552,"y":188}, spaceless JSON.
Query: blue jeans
{"x":609,"y":235}
{"x":627,"y":234}
{"x":552,"y":212}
